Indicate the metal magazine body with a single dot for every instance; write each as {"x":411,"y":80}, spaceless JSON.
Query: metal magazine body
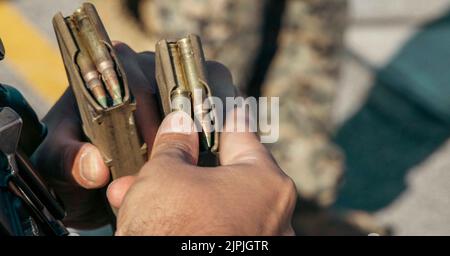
{"x":181,"y":76}
{"x":109,"y":124}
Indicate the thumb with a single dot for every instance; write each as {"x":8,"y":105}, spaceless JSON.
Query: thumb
{"x":88,"y":168}
{"x":176,"y":139}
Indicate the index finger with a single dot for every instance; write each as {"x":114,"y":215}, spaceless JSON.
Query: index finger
{"x":238,"y":144}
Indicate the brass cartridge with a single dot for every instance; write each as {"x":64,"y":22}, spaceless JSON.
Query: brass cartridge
{"x":112,"y":128}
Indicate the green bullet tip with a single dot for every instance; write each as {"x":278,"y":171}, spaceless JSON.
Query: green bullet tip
{"x":117,"y":101}
{"x":103,"y":102}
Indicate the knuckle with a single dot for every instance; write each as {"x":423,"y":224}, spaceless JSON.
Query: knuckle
{"x":215,"y":67}
{"x":288,"y":190}
{"x":116,"y":42}
{"x":120,"y":46}
{"x":212,"y":64}
{"x":289,"y":184}
{"x":147,"y":54}
{"x":172,"y":146}
{"x":123,"y":50}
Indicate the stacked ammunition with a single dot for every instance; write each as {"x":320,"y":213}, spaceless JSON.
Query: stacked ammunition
{"x":188,"y":73}
{"x":181,"y":77}
{"x":106,"y":103}
{"x":94,"y":61}
{"x":99,"y":83}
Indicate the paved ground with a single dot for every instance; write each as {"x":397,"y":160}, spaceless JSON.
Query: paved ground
{"x":31,"y":48}
{"x":378,"y":29}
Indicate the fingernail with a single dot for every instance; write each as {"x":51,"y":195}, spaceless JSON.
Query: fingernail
{"x":176,"y":122}
{"x":89,"y":165}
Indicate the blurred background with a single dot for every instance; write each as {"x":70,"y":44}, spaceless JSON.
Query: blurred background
{"x":364,"y":89}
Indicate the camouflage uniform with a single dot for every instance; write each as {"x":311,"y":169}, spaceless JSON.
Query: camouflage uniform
{"x":303,"y":73}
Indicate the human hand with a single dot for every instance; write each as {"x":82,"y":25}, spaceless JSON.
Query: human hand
{"x":247,"y":195}
{"x":73,"y":167}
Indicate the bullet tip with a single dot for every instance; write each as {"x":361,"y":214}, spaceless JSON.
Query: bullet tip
{"x":103,"y":102}
{"x":117,"y":99}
